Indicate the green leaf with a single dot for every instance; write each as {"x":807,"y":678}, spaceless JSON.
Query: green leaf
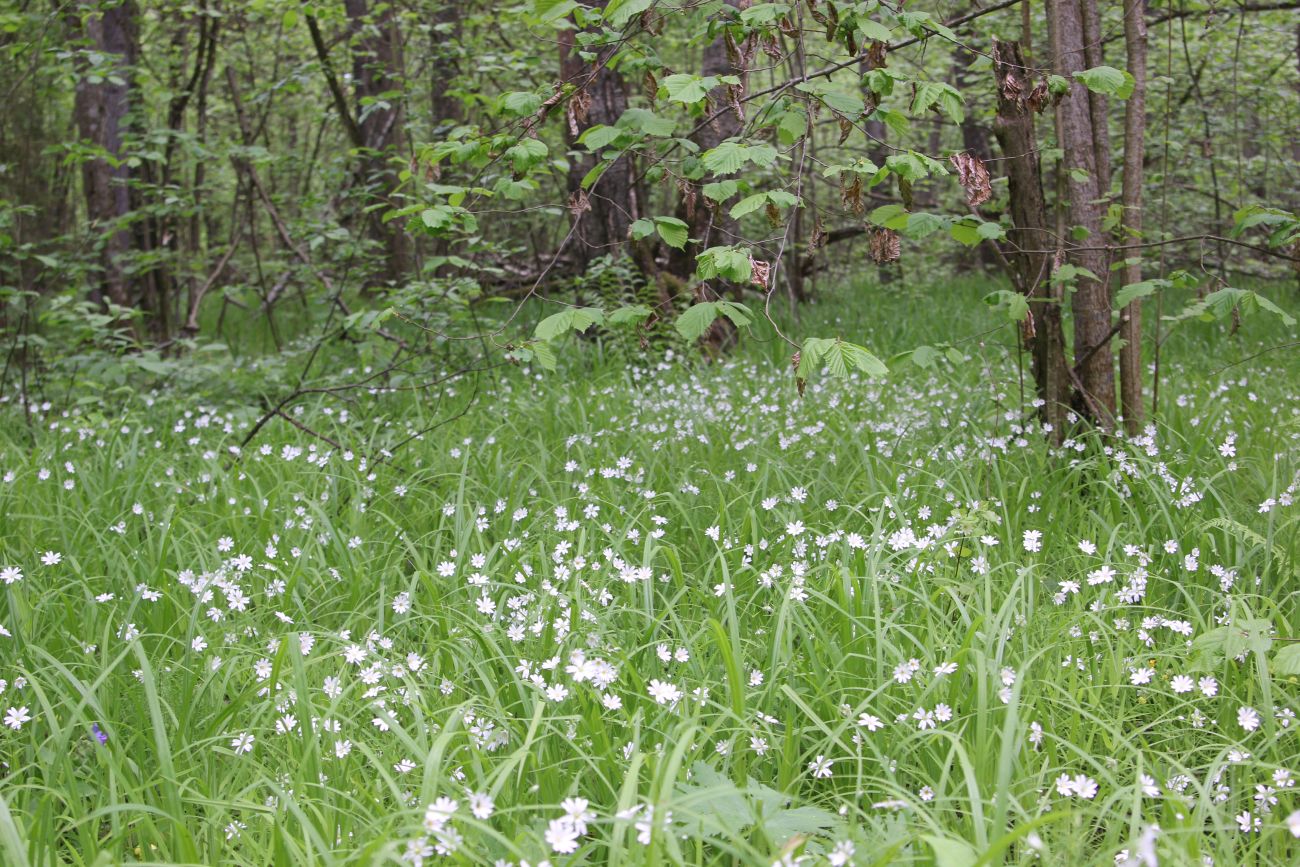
{"x":730,"y":263}
{"x":951,"y":852}
{"x":545,"y":355}
{"x":674,"y":232}
{"x":642,"y":228}
{"x":848,"y":104}
{"x":1133,"y":291}
{"x":599,"y":136}
{"x":630,"y":314}
{"x":1108,"y":80}
{"x":1015,"y":305}
{"x":647,"y":121}
{"x":520,"y":103}
{"x":730,"y":156}
{"x":692,"y":324}
{"x":720,"y":191}
{"x":1286,"y":662}
{"x":873,"y":31}
{"x":922,"y":225}
{"x":837,"y":357}
{"x":526,"y":153}
{"x":687,"y":88}
{"x":571,"y":319}
{"x":619,"y":12}
{"x":738,"y":313}
{"x":748,"y":205}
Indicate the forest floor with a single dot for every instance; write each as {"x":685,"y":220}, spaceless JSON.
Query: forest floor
{"x":646,"y":612}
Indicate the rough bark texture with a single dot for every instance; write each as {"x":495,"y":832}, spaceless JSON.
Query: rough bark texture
{"x":101,"y":109}
{"x":1094,"y":362}
{"x":1098,"y":105}
{"x":1014,"y":128}
{"x":444,"y":61}
{"x":605,"y":211}
{"x":377,"y":69}
{"x":1130,"y":354}
{"x":712,"y":226}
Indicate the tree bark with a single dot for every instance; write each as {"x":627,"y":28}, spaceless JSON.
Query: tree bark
{"x":1094,"y":363}
{"x":1130,"y":354}
{"x":377,"y":73}
{"x":604,"y":213}
{"x":101,"y":107}
{"x":1013,"y":127}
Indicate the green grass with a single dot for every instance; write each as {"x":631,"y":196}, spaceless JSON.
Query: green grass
{"x":791,"y":623}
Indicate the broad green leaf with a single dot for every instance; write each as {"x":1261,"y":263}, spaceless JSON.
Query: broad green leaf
{"x":619,"y":12}
{"x":520,"y":103}
{"x":599,"y":136}
{"x":629,"y":314}
{"x":687,"y":88}
{"x":951,"y":852}
{"x":1015,"y":304}
{"x":1286,"y":662}
{"x":730,"y":156}
{"x":1108,"y":80}
{"x":720,"y":191}
{"x":1133,"y":291}
{"x":696,"y":320}
{"x":748,"y":205}
{"x":642,"y":228}
{"x":571,"y":319}
{"x":674,"y":232}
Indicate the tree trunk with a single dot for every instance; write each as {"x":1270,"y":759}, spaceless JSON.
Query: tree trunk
{"x":712,"y":225}
{"x":1094,"y":362}
{"x":101,"y":108}
{"x":1135,"y":119}
{"x":445,"y":62}
{"x":603,"y":213}
{"x":377,"y":76}
{"x":1014,"y":128}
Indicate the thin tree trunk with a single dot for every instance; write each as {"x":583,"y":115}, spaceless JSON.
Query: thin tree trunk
{"x":1014,"y":128}
{"x":1130,"y":354}
{"x":1094,"y":362}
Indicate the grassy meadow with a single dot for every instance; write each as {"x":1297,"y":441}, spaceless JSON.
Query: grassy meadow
{"x":651,"y":611}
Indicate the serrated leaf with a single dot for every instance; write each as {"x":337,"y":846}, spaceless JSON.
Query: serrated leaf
{"x":571,"y":319}
{"x":520,"y":103}
{"x":720,"y":191}
{"x":674,"y":232}
{"x":696,"y":320}
{"x":545,"y":355}
{"x":730,"y":156}
{"x":686,"y":88}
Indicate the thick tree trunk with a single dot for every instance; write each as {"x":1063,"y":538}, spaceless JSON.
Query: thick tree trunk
{"x":101,"y":108}
{"x":1130,"y":354}
{"x":1014,"y":128}
{"x":444,"y":64}
{"x":711,"y":226}
{"x":1094,"y":361}
{"x":603,"y":213}
{"x":377,"y":76}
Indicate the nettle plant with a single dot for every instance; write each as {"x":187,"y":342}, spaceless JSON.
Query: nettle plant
{"x":707,"y":177}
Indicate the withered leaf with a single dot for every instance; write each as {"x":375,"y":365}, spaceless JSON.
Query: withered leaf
{"x":759,"y":271}
{"x":885,"y":246}
{"x":579,"y":203}
{"x":974,"y":178}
